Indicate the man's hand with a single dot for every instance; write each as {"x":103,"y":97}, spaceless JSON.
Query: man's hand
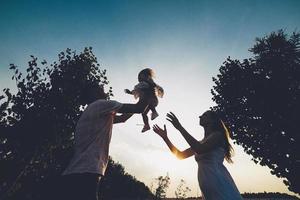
{"x":127,"y":91}
{"x":122,"y":118}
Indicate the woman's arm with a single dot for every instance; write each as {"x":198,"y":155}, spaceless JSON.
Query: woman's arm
{"x":212,"y":141}
{"x":179,"y":154}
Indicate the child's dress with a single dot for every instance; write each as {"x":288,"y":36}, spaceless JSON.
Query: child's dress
{"x":214,"y":180}
{"x":149,"y":91}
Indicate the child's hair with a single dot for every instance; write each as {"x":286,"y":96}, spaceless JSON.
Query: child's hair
{"x":145,"y":74}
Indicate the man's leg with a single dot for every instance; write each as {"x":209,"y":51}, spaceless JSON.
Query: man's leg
{"x":81,"y":186}
{"x":89,"y":186}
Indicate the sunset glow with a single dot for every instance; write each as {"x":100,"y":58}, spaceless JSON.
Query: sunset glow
{"x":184,"y":42}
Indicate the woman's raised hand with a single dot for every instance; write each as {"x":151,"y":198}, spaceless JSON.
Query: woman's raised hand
{"x":161,"y":132}
{"x":173,"y":119}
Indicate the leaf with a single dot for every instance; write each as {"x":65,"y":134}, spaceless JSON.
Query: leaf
{"x":12,"y":66}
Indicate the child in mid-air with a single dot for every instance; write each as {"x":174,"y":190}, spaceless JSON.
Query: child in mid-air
{"x":147,"y":90}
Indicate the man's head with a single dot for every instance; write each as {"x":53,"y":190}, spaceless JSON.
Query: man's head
{"x":93,"y":92}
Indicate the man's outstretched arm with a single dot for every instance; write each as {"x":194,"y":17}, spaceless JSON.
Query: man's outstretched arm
{"x":122,"y":118}
{"x":139,"y":107}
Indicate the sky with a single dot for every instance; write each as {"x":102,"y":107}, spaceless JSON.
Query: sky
{"x":184,"y":42}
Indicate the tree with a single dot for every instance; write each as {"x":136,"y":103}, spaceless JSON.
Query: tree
{"x":37,"y":123}
{"x":259,"y":99}
{"x":118,"y":184}
{"x":269,"y":195}
{"x":182,"y":190}
{"x":163,"y":183}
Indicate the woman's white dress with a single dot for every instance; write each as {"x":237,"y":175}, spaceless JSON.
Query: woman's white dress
{"x":214,"y":180}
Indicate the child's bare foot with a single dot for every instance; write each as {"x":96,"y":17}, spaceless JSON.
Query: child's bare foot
{"x":145,"y":128}
{"x":154,"y":115}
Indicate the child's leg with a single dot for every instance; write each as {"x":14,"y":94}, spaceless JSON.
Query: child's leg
{"x":145,"y":120}
{"x":145,"y":117}
{"x":152,"y":107}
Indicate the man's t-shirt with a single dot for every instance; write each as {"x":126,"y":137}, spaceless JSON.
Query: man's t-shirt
{"x":92,"y":138}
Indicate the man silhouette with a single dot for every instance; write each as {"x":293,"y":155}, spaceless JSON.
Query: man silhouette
{"x":91,"y":147}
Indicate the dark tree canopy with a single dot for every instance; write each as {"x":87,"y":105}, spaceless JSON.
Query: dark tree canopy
{"x":37,"y":123}
{"x":119,"y":185}
{"x":163,"y":183}
{"x":269,"y":195}
{"x":259,"y":98}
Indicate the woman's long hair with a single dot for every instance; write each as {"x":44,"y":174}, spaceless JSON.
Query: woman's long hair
{"x":228,"y":148}
{"x":220,"y":126}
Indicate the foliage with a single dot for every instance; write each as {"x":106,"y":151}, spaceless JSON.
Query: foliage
{"x":259,"y":98}
{"x":37,"y":122}
{"x":182,"y":190}
{"x":163,"y":183}
{"x":118,"y":184}
{"x":269,"y":195}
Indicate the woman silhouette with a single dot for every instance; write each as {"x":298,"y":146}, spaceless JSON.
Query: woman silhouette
{"x":214,"y":180}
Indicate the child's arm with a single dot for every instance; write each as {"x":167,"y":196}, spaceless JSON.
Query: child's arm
{"x":160,"y":91}
{"x":138,"y":89}
{"x":141,"y":105}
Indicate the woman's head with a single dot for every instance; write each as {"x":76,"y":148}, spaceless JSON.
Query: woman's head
{"x":145,"y":74}
{"x":212,"y":120}
{"x":209,"y":118}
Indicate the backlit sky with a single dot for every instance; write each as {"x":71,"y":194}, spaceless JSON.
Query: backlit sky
{"x":185,"y":42}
